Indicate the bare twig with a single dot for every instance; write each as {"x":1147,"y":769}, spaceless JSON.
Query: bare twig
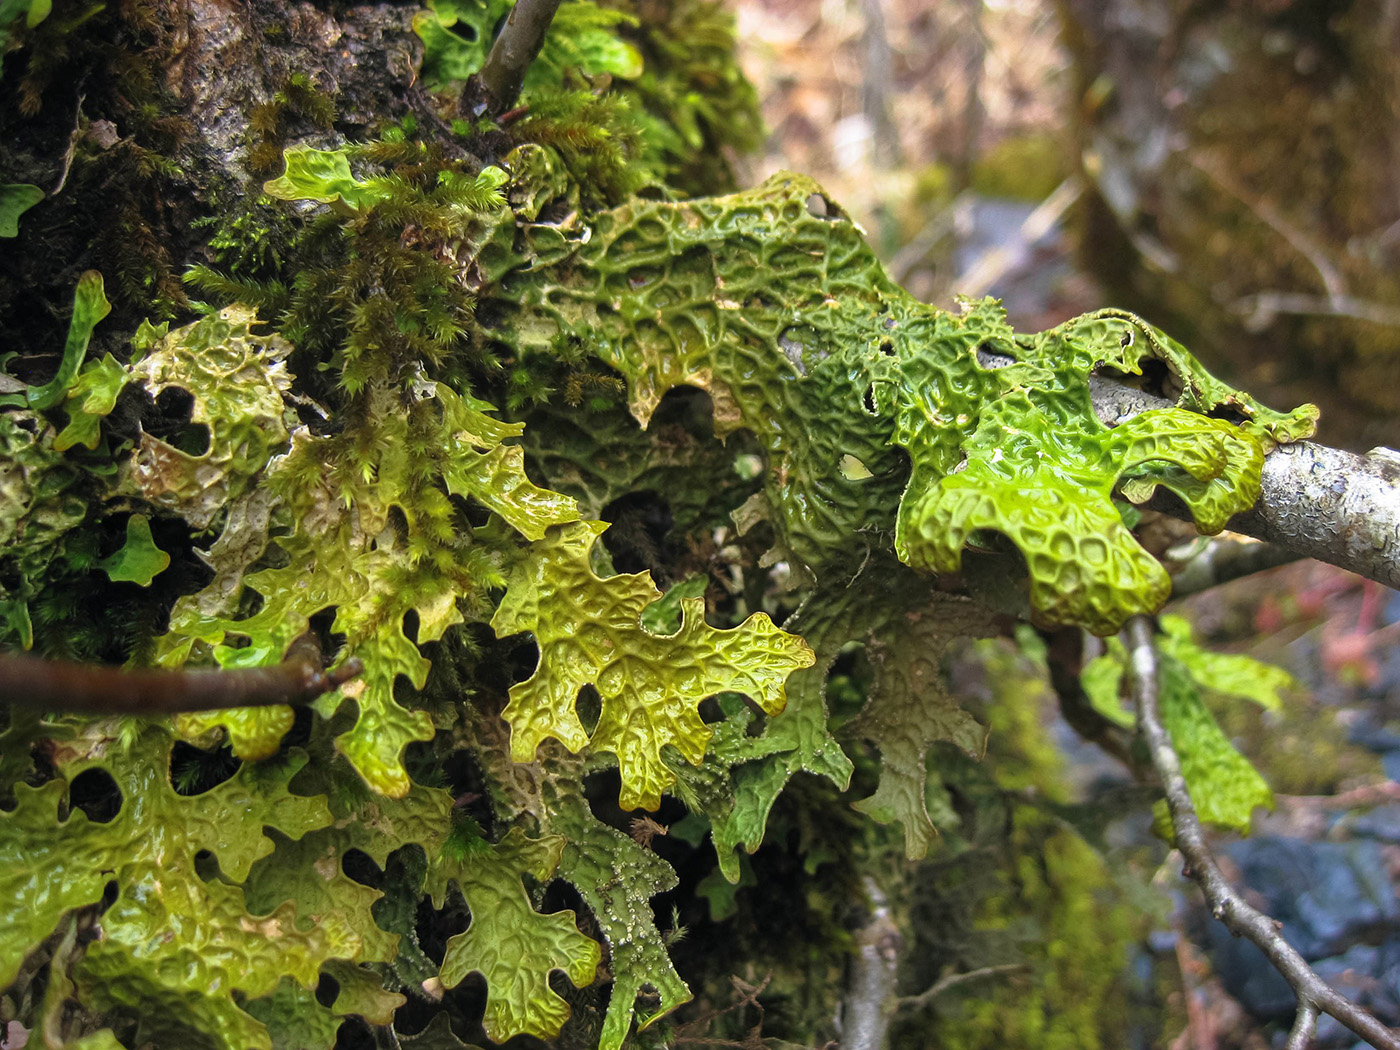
{"x":950,"y":981}
{"x":1223,"y":560}
{"x":1260,"y":309}
{"x":993,"y":266}
{"x":877,"y":85}
{"x":516,"y":46}
{"x":870,"y":1002}
{"x":1303,"y":244}
{"x":1225,"y":904}
{"x":1304,"y":1025}
{"x":59,"y":685}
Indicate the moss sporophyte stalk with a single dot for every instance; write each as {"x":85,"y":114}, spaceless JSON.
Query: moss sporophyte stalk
{"x":402,"y":430}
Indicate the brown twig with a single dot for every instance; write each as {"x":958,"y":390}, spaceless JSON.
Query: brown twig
{"x":1064,"y":657}
{"x":63,"y":686}
{"x":952,"y":980}
{"x":1225,"y":904}
{"x":516,"y":46}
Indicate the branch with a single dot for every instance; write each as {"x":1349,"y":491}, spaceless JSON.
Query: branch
{"x":870,"y":999}
{"x":1225,"y":904}
{"x":516,"y":46}
{"x":952,"y":980}
{"x":1224,"y":560}
{"x":62,"y":686}
{"x":1315,"y":501}
{"x":1064,"y":656}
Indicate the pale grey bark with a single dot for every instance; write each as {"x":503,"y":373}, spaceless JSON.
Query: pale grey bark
{"x":870,"y":1001}
{"x":1331,"y":505}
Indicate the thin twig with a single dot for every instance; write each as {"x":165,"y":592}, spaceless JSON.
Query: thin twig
{"x":995,"y":264}
{"x":515,"y":48}
{"x":63,"y":686}
{"x":1225,"y":904}
{"x":1260,"y":309}
{"x":1304,"y":1025}
{"x":952,"y":980}
{"x":1303,"y":244}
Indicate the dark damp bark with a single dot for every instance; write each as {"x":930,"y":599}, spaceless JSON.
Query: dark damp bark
{"x":152,"y":125}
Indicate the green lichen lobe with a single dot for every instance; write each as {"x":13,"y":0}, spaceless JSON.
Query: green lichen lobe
{"x":772,"y":302}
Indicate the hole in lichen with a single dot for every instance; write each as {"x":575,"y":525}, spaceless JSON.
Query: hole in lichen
{"x":471,"y":510}
{"x":321,"y":623}
{"x":820,"y":208}
{"x":791,"y":343}
{"x":171,"y":422}
{"x":601,"y":790}
{"x":395,"y":527}
{"x":206,"y":865}
{"x":589,"y":706}
{"x":868,"y":400}
{"x":410,"y":625}
{"x":464,"y":779}
{"x":359,"y":866}
{"x":490,"y":313}
{"x":517,"y":659}
{"x":327,"y":990}
{"x":640,"y":523}
{"x":96,"y":794}
{"x":195,"y":770}
{"x":887,"y":348}
{"x":852,"y":469}
{"x":688,"y":407}
{"x":560,"y":896}
{"x":848,"y":681}
{"x":993,"y":356}
{"x":300,"y":733}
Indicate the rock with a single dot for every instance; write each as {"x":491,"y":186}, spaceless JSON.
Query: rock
{"x":1330,"y":897}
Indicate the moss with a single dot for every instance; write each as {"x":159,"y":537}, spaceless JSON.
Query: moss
{"x":297,"y":101}
{"x":1026,"y":167}
{"x":1053,"y":906}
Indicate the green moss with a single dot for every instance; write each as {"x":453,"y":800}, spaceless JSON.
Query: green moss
{"x":1027,"y":167}
{"x":1056,"y":909}
{"x":269,"y":123}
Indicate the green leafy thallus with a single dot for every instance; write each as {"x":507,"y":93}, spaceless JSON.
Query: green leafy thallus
{"x":771,"y":302}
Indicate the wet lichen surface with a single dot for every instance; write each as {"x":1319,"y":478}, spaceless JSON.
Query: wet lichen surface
{"x":366,"y":436}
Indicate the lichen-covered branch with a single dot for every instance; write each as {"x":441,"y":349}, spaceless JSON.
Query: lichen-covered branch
{"x":1227,"y":906}
{"x":63,"y":686}
{"x":1224,"y":560}
{"x":1332,"y":505}
{"x":1315,"y":501}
